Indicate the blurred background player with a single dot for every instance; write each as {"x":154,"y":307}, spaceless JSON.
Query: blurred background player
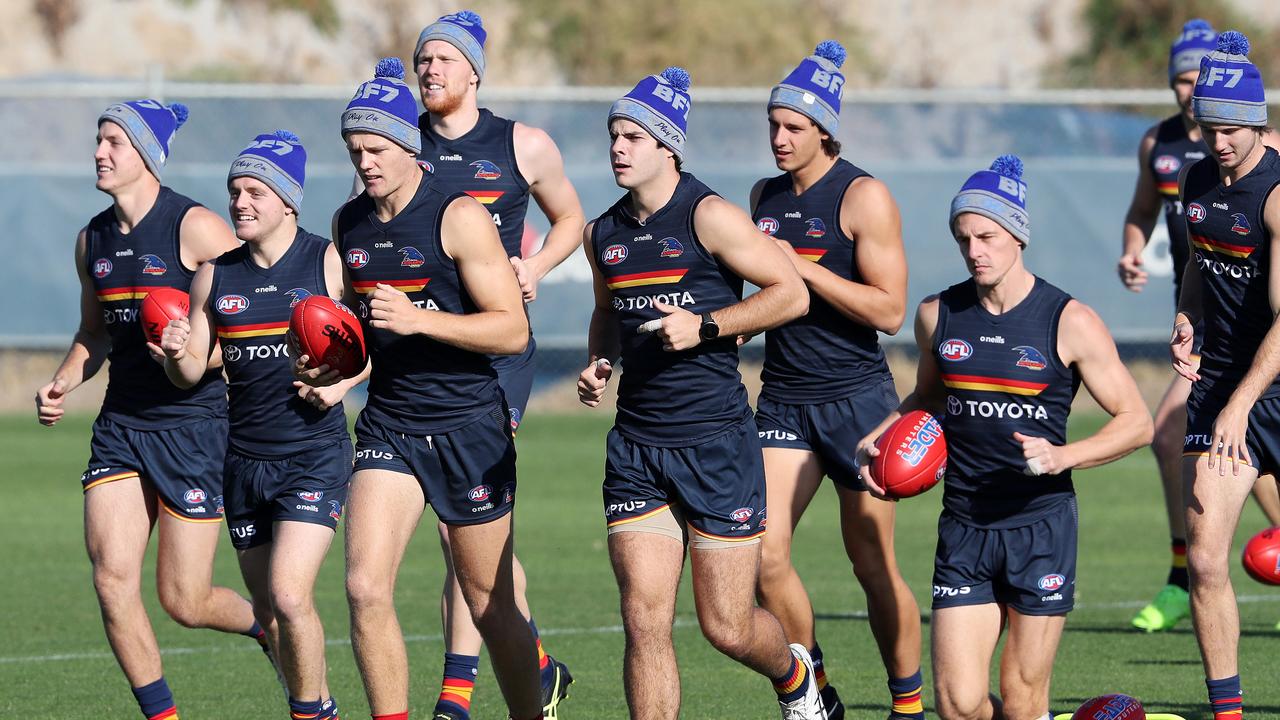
{"x":825,"y":380}
{"x":157,"y":450}
{"x":437,"y":298}
{"x":1165,"y":149}
{"x":1233,"y":413}
{"x":286,"y":472}
{"x":669,"y":260}
{"x":1008,"y":341}
{"x":501,"y":163}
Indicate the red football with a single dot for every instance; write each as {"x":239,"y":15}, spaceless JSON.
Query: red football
{"x":913,"y":455}
{"x":1110,"y":707}
{"x":328,"y":333}
{"x":161,"y":305}
{"x":1262,"y":557}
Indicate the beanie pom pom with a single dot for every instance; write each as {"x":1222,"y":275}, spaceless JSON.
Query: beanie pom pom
{"x":1196,"y":24}
{"x":180,"y":113}
{"x":1233,"y":43}
{"x":389,"y":67}
{"x":467,"y":16}
{"x":677,"y":77}
{"x":831,"y":50}
{"x":1009,"y":166}
{"x":287,"y":136}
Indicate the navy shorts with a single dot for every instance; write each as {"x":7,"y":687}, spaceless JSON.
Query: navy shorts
{"x":718,"y":485}
{"x":310,"y":486}
{"x":1032,"y":568}
{"x":1262,"y":437}
{"x":830,"y":430}
{"x":183,"y":464}
{"x":467,"y":475}
{"x":515,"y":377}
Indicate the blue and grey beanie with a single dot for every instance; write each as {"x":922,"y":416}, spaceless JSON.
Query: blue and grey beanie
{"x":385,"y":106}
{"x":1229,"y":90}
{"x":150,"y":127}
{"x":814,"y":88}
{"x":660,"y":104}
{"x":997,"y":193}
{"x":1198,"y":39}
{"x":277,"y":159}
{"x":463,"y":30}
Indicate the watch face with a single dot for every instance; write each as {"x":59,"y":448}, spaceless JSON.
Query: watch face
{"x":709,"y":330}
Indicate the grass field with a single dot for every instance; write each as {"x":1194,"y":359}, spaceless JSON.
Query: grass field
{"x":55,"y":663}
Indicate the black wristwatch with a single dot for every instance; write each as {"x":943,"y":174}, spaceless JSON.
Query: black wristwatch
{"x":709,"y":330}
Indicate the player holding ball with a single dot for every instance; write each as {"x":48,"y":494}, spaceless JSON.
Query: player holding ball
{"x":1002,"y":354}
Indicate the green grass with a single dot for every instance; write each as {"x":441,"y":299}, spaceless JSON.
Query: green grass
{"x":55,"y":663}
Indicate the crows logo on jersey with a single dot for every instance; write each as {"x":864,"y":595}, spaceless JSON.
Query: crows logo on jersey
{"x":297,"y":295}
{"x":486,"y":170}
{"x":1030,"y":358}
{"x":153,"y":265}
{"x":1241,"y":226}
{"x":413,"y":258}
{"x":815,"y":228}
{"x":671,"y":248}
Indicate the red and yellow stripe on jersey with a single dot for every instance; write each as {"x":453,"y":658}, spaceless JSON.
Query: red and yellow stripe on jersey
{"x":654,"y":277}
{"x":1217,"y":246}
{"x":811,"y":254}
{"x":1168,"y":188}
{"x":259,"y":330}
{"x":992,"y":384}
{"x":123,"y":293}
{"x":486,"y":197}
{"x":405,"y":285}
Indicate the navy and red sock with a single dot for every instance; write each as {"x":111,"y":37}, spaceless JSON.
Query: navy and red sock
{"x":459,"y":682}
{"x":1226,"y":698}
{"x":1178,"y":564}
{"x":906,"y":696}
{"x":156,"y":701}
{"x":792,"y":685}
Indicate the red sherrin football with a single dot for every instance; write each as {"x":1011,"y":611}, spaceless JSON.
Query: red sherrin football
{"x":328,"y":333}
{"x":1262,"y":557}
{"x":1110,"y":707}
{"x":161,"y":305}
{"x":913,"y":455}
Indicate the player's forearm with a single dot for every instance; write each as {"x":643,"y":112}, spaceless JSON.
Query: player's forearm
{"x":185,"y":371}
{"x":1263,"y":370}
{"x":83,"y":360}
{"x":602,"y":336}
{"x":564,"y":237}
{"x":772,"y":306}
{"x":1127,"y":431}
{"x":866,"y":304}
{"x":1189,"y":302}
{"x":1137,"y":232}
{"x":492,"y":332}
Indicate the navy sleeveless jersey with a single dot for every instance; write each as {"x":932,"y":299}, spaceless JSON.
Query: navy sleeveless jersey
{"x":1232,"y":249}
{"x":1173,"y":150}
{"x":823,"y":355}
{"x":124,"y":268}
{"x":251,"y":310}
{"x":1003,"y":375}
{"x":482,"y":164}
{"x":419,"y":385}
{"x":669,"y":399}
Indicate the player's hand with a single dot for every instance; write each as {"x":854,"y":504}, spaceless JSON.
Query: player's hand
{"x":1228,"y":442}
{"x":390,"y":309}
{"x":679,"y":330}
{"x":527,"y":278}
{"x":322,"y":376}
{"x":864,"y":456}
{"x":173,"y":341}
{"x":321,"y":397}
{"x":592,"y":381}
{"x":1042,"y":456}
{"x":49,"y":401}
{"x":1180,"y":345}
{"x":1131,"y":272}
{"x":743,"y":339}
{"x":156,"y":353}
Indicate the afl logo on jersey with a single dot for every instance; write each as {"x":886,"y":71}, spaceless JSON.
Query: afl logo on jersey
{"x":1052,"y":582}
{"x":297,"y":295}
{"x":479,"y":493}
{"x":152,"y":265}
{"x":427,"y":167}
{"x":767,"y":225}
{"x":1167,"y":164}
{"x":232,"y":304}
{"x":815,"y":228}
{"x":614,"y":254}
{"x":101,"y":268}
{"x":1030,"y":358}
{"x":955,"y":350}
{"x":1195,"y":212}
{"x":742,"y":514}
{"x":1241,"y":226}
{"x":671,"y":248}
{"x":412,"y":257}
{"x":486,"y":170}
{"x":357,"y":258}
{"x":194,"y":496}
